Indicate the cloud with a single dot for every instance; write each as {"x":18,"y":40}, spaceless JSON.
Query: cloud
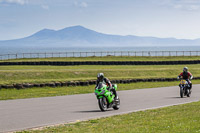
{"x":194,"y":7}
{"x":190,"y":5}
{"x":20,"y":2}
{"x":81,"y":4}
{"x":46,"y":7}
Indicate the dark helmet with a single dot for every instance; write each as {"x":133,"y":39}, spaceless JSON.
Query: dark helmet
{"x":100,"y":76}
{"x":185,"y":69}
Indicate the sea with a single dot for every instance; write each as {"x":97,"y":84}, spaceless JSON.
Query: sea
{"x":15,"y":50}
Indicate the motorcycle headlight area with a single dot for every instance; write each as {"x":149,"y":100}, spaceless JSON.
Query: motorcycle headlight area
{"x":183,"y":85}
{"x":103,"y":91}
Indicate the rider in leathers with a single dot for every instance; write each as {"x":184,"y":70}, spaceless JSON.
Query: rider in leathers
{"x":101,"y":78}
{"x":187,"y":76}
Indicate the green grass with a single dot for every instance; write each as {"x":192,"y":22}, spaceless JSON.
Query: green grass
{"x":110,"y":58}
{"x":6,"y":94}
{"x":40,"y":74}
{"x":175,"y":119}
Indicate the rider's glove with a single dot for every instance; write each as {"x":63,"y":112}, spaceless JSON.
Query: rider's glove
{"x":178,"y":77}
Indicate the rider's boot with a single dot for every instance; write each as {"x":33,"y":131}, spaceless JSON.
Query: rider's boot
{"x":190,"y":87}
{"x":115,"y":93}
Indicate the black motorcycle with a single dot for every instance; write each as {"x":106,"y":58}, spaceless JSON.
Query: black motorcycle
{"x":184,"y":88}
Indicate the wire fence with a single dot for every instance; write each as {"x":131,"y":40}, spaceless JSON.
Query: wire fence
{"x":99,"y":54}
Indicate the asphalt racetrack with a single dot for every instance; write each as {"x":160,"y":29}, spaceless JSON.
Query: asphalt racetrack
{"x":23,"y":114}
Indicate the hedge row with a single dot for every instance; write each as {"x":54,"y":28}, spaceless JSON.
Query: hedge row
{"x":69,"y":63}
{"x":84,"y":83}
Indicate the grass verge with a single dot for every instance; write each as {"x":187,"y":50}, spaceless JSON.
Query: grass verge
{"x":6,"y":94}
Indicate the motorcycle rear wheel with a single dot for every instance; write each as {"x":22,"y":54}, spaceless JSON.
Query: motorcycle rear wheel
{"x":189,"y":93}
{"x":117,"y":104}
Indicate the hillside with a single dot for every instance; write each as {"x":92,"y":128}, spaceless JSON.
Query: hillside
{"x":78,"y":36}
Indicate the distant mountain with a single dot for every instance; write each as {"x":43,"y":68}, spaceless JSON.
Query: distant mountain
{"x":78,"y":36}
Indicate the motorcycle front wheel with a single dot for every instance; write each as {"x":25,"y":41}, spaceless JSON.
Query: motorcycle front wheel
{"x":181,"y":92}
{"x":103,"y":104}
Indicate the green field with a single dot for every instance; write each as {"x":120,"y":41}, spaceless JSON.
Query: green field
{"x":40,"y":74}
{"x":175,"y":119}
{"x":111,"y":58}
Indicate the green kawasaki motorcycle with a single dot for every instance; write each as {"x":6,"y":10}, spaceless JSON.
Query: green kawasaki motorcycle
{"x":106,"y":99}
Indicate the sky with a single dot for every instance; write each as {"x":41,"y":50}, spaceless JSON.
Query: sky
{"x":158,"y":18}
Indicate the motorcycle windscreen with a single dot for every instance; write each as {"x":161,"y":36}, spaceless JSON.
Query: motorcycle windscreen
{"x":100,"y":85}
